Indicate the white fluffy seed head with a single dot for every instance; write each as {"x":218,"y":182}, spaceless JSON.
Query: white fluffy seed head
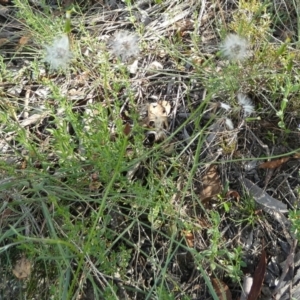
{"x":229,"y":124}
{"x":58,"y":53}
{"x":235,"y":47}
{"x":125,"y":45}
{"x":246,"y":104}
{"x":225,"y":106}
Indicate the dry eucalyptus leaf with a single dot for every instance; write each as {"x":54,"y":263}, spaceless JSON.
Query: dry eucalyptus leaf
{"x":263,"y":198}
{"x":258,"y":277}
{"x":273,"y":164}
{"x":22,"y":268}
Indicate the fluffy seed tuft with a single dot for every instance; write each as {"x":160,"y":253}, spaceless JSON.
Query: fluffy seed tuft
{"x":125,"y":45}
{"x":235,"y":47}
{"x":58,"y":54}
{"x":229,"y":124}
{"x":246,"y":104}
{"x":225,"y":106}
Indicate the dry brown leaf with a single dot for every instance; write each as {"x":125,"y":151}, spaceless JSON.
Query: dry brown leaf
{"x":158,"y":114}
{"x":274,"y":163}
{"x":258,"y":277}
{"x":221,"y":289}
{"x":22,"y":268}
{"x":23,"y":40}
{"x":211,"y":184}
{"x":189,"y":237}
{"x":127,"y":129}
{"x":233,"y":194}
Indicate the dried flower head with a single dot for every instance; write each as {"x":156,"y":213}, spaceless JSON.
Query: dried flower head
{"x":59,"y":54}
{"x":246,"y":104}
{"x":235,"y":47}
{"x":125,"y":45}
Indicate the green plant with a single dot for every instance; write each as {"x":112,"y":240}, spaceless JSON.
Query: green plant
{"x":294,"y":217}
{"x":219,"y":257}
{"x":247,"y":209}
